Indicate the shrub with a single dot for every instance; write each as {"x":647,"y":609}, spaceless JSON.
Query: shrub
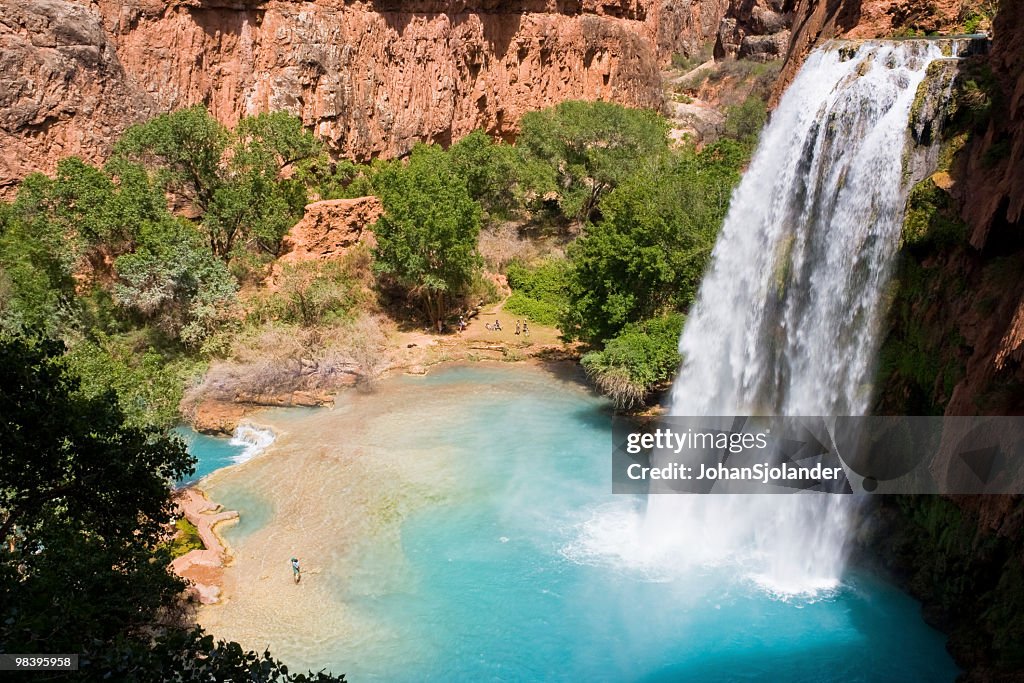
{"x":642,"y":357}
{"x":538,"y":293}
{"x":744,"y":121}
{"x":310,"y":293}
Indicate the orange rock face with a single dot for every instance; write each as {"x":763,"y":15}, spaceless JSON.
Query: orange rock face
{"x":371,"y":77}
{"x":330,"y":228}
{"x":62,"y":88}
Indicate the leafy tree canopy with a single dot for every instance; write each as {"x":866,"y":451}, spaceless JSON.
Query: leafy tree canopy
{"x":84,"y":502}
{"x":174,"y":281}
{"x":581,"y":150}
{"x":647,"y":254}
{"x":234,"y":179}
{"x":427,"y":237}
{"x":490,"y":170}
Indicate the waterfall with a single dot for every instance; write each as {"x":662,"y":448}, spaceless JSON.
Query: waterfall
{"x":787,"y":318}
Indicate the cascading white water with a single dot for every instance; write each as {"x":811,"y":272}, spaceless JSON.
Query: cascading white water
{"x":787,"y":316}
{"x":254,"y":438}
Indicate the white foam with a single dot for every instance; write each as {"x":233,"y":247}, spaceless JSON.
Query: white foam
{"x":254,"y":438}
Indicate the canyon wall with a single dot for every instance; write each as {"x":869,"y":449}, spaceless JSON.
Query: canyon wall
{"x":956,"y":346}
{"x":371,"y":77}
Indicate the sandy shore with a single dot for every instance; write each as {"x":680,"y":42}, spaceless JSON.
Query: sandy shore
{"x":205,"y":568}
{"x":333,"y":491}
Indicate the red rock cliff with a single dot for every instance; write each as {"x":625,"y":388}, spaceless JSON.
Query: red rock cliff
{"x":372,"y":76}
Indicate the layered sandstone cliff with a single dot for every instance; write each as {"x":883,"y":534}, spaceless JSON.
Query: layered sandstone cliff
{"x":370,"y":76}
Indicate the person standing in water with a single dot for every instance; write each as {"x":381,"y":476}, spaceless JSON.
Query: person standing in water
{"x":295,"y":569}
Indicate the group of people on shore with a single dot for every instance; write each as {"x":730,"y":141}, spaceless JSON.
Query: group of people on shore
{"x":521,"y":327}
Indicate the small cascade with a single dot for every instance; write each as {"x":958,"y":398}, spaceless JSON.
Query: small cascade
{"x":253,"y":438}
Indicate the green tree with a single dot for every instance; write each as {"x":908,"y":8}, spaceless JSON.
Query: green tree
{"x":174,"y":281}
{"x":579,"y":151}
{"x":70,"y":225}
{"x":37,"y":260}
{"x":647,"y":254}
{"x":84,"y":502}
{"x":490,"y":170}
{"x":235,"y":180}
{"x":427,"y":236}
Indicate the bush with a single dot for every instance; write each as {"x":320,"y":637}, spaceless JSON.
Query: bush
{"x":311,"y":293}
{"x":538,"y":293}
{"x":744,"y":121}
{"x":642,"y":357}
{"x":148,"y":382}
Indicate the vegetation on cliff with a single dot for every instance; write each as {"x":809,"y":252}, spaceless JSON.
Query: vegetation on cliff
{"x":138,"y":265}
{"x":957,"y":287}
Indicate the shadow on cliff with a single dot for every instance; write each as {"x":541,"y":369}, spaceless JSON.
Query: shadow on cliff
{"x":231,"y":19}
{"x":955,"y":346}
{"x":499,"y":21}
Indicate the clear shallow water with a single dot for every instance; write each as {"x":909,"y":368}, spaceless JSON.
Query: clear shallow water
{"x":212,"y":452}
{"x":216,"y":452}
{"x":508,"y":574}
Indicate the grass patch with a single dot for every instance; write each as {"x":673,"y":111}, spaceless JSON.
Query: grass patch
{"x":186,"y":539}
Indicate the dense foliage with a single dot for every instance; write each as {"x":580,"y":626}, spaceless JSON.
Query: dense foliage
{"x":642,"y":356}
{"x":233,"y":178}
{"x":647,"y":254}
{"x":577,"y":152}
{"x":137,"y":265}
{"x":84,"y":508}
{"x":427,"y":237}
{"x":538,"y":292}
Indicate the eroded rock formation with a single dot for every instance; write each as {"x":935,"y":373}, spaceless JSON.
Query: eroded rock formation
{"x":370,"y":76}
{"x":755,"y":29}
{"x":63,"y":90}
{"x":329,"y":228}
